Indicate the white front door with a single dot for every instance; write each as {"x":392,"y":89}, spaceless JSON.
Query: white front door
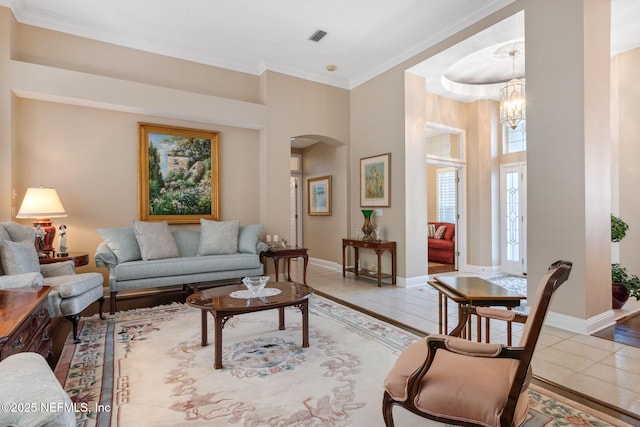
{"x":513,"y":218}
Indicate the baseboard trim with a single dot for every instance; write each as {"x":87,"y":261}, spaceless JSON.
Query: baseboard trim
{"x":581,"y":326}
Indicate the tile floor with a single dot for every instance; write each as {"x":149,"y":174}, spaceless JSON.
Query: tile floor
{"x":602,"y":369}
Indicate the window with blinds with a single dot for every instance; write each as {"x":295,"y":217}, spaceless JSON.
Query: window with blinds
{"x":446,"y":186}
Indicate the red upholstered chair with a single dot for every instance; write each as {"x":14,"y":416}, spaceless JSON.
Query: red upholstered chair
{"x":453,"y":380}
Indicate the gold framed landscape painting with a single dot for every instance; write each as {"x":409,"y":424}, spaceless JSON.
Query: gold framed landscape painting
{"x":375,"y":181}
{"x":319,"y":195}
{"x":178,"y":178}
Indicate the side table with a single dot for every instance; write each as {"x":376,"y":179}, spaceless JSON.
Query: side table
{"x":78,"y":258}
{"x":379,"y":247}
{"x":285,"y":253}
{"x":24,"y":321}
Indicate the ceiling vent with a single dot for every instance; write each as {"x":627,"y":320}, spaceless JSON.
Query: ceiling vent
{"x":318,"y":35}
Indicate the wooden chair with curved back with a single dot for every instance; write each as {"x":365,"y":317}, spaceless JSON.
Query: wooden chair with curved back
{"x":453,"y":380}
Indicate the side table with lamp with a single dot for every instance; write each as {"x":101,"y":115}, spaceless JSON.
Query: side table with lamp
{"x":41,"y":204}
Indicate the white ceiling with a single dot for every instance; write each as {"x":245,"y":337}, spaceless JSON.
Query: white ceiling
{"x":365,"y":37}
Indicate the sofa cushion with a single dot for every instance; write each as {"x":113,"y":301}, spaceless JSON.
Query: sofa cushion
{"x":187,"y":241}
{"x":134,"y":270}
{"x":122,"y":242}
{"x":218,"y":237}
{"x":248,"y":238}
{"x":440,"y":232}
{"x":19,"y":257}
{"x":440,"y":244}
{"x":155,"y":240}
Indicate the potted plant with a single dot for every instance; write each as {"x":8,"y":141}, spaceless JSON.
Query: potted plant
{"x":623,"y":284}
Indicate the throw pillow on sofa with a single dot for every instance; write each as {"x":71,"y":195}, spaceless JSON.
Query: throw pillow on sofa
{"x":440,"y":232}
{"x":19,"y":257}
{"x":123,"y":243}
{"x":218,"y":237}
{"x":155,"y":240}
{"x":248,"y":238}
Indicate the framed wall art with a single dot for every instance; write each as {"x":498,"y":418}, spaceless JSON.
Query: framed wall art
{"x":375,"y":181}
{"x":178,"y":178}
{"x":319,"y":195}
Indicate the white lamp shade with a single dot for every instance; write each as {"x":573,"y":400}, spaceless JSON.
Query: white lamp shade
{"x":41,"y":202}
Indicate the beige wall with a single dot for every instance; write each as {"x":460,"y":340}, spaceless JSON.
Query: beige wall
{"x":75,"y":128}
{"x":627,"y":104}
{"x":297,"y":107}
{"x":323,"y":234}
{"x":91,"y":157}
{"x":59,"y":50}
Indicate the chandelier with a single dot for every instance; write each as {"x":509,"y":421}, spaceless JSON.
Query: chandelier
{"x":512,"y":95}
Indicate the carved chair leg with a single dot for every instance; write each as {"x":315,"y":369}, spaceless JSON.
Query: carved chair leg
{"x":74,"y":321}
{"x":100,"y":306}
{"x":387,"y":408}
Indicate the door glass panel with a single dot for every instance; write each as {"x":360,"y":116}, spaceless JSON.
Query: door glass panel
{"x":513,"y":216}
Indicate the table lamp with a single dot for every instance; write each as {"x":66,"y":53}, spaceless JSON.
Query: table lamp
{"x":42,"y":204}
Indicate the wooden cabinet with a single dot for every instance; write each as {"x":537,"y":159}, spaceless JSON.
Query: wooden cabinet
{"x":24,"y":321}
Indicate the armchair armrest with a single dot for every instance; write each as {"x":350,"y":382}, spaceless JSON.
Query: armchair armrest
{"x":105,"y":257}
{"x":58,"y":269}
{"x":460,"y":346}
{"x":23,"y":280}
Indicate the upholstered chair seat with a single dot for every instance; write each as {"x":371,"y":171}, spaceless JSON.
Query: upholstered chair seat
{"x":70,"y":293}
{"x":457,"y":381}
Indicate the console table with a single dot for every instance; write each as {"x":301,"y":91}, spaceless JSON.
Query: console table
{"x":379,"y":247}
{"x":24,"y":321}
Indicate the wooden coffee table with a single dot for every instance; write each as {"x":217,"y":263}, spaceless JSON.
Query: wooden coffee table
{"x":222,"y":307}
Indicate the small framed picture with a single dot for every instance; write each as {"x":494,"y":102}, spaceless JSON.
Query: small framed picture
{"x":375,"y":181}
{"x":319,"y":195}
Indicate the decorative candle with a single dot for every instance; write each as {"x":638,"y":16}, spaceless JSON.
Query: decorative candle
{"x":268,"y":238}
{"x":275,"y":238}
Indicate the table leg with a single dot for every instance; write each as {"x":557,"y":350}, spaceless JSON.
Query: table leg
{"x":281,"y":319}
{"x":487,"y":337}
{"x":276,"y":264}
{"x":508,"y":330}
{"x":304,"y":308}
{"x":305,"y":257}
{"x":478,"y":328}
{"x":217,"y":352}
{"x":440,"y":308}
{"x":379,"y":253}
{"x":446,"y":315}
{"x":344,"y":265}
{"x":393,"y":266}
{"x":203,"y":327}
{"x":356,"y":260}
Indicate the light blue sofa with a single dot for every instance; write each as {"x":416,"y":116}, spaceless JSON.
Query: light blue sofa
{"x":128,"y":269}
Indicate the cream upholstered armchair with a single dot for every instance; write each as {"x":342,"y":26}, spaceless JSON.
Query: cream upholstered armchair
{"x":19,"y":267}
{"x":453,"y":380}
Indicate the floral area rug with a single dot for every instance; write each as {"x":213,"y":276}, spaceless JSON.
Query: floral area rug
{"x":146,"y":367}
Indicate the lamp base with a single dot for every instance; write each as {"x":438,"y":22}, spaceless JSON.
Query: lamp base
{"x":45,"y":233}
